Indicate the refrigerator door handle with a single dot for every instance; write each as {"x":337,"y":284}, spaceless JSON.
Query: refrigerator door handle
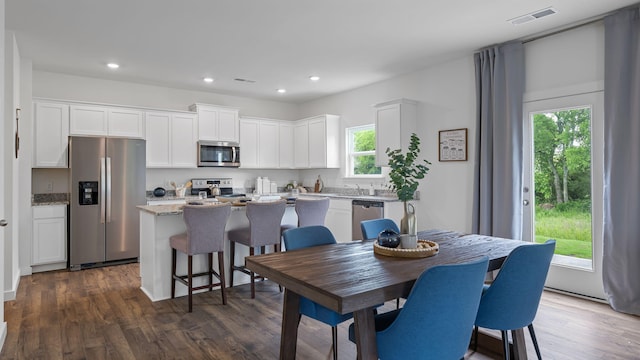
{"x":108,"y":189}
{"x":103,"y":174}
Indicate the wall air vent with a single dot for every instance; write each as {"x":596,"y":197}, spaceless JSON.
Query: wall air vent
{"x":532,"y":16}
{"x":245,"y":80}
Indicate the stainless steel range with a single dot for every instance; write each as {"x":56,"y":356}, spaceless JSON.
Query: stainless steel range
{"x":225,"y":186}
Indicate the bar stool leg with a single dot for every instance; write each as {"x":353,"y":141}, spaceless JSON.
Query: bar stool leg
{"x":253,"y":277}
{"x":210,"y":270}
{"x":222,"y":281}
{"x":190,"y":286}
{"x":232,"y":256}
{"x":173,"y":273}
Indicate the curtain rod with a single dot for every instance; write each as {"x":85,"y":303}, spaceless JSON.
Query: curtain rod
{"x":569,"y":28}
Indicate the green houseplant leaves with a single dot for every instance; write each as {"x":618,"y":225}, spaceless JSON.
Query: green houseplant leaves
{"x":405,"y":171}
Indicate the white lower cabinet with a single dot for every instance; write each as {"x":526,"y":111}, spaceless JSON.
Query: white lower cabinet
{"x":49,"y":242}
{"x":338,"y":219}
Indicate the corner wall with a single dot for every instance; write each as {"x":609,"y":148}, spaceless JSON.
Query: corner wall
{"x":446,"y":96}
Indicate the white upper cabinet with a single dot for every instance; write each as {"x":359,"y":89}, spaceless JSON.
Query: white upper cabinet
{"x":259,"y":143}
{"x":249,"y":132}
{"x":317,"y":142}
{"x":123,"y":122}
{"x":88,"y":120}
{"x":301,"y":144}
{"x":50,"y":132}
{"x":106,"y":121}
{"x":285,"y":144}
{"x":171,"y":140}
{"x":395,"y":122}
{"x":216,"y":123}
{"x":268,"y":154}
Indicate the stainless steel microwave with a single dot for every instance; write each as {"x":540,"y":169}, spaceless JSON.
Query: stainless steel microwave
{"x":218,"y":153}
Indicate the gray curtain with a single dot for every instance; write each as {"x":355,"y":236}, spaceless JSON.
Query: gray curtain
{"x":621,"y":262}
{"x":497,"y":209}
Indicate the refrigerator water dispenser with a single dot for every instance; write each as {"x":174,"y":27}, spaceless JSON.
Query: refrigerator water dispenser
{"x":88,"y":193}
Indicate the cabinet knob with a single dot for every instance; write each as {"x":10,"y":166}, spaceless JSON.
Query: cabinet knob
{"x":3,"y":223}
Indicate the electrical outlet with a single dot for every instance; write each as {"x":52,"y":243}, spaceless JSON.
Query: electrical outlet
{"x":50,"y":186}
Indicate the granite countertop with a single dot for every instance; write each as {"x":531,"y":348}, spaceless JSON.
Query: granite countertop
{"x":50,"y":199}
{"x":353,"y":197}
{"x":176,"y":209}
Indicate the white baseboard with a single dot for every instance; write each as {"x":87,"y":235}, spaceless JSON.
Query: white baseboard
{"x":11,"y":294}
{"x":3,"y":333}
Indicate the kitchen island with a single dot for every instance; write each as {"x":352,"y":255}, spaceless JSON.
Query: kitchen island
{"x":158,"y":223}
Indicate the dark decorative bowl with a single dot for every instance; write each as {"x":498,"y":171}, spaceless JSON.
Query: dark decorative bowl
{"x":389,"y":238}
{"x":159,"y":192}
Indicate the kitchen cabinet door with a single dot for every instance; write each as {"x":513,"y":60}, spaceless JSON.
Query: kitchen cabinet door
{"x":123,"y":122}
{"x":301,"y":144}
{"x":338,"y":219}
{"x":285,"y":145}
{"x":88,"y":120}
{"x":49,"y":242}
{"x":249,"y":132}
{"x":395,"y":122}
{"x":51,"y":132}
{"x":229,"y":128}
{"x":268,"y":144}
{"x":324,"y":142}
{"x":184,"y":141}
{"x":217,"y":123}
{"x":158,"y":135}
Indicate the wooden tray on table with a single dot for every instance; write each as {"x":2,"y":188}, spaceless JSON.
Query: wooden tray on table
{"x":425,"y":248}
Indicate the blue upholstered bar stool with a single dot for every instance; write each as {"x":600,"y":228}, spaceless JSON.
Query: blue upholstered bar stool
{"x":310,"y":211}
{"x":264,"y":230}
{"x":205,"y":235}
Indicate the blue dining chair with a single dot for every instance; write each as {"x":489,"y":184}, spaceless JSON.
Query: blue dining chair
{"x":309,"y":236}
{"x":437,"y":318}
{"x":512,"y":300}
{"x":371,"y":228}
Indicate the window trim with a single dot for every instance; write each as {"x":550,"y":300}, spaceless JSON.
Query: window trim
{"x":349,"y":155}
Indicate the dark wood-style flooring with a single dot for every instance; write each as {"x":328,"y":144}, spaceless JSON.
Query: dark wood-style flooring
{"x":102,"y":314}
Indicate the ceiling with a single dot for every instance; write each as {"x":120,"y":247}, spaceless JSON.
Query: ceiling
{"x":276,"y":43}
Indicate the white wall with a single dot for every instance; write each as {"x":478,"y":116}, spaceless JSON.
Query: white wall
{"x":71,"y":87}
{"x":566,"y":63}
{"x":12,"y":185}
{"x":446,"y":94}
{"x":26,"y":145}
{"x":3,"y":236}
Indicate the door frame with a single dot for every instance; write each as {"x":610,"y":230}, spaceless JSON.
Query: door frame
{"x":564,"y":277}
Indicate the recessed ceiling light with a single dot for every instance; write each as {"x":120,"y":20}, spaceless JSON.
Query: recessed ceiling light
{"x":282,"y":91}
{"x":208,"y":80}
{"x":113,"y":65}
{"x":314,"y":78}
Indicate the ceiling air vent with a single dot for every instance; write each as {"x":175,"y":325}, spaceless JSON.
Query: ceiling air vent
{"x":244,"y":80}
{"x":532,"y":16}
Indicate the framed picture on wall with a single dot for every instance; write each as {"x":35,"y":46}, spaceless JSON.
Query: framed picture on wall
{"x":453,"y":145}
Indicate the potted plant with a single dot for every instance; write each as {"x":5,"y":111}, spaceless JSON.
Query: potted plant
{"x":405,"y":172}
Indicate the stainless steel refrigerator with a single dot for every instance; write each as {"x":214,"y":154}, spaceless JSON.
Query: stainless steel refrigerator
{"x":107,"y":182}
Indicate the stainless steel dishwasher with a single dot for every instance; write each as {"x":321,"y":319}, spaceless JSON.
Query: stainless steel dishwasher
{"x":364,"y":210}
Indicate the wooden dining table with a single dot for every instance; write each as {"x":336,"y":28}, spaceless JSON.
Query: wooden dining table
{"x":351,"y":278}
